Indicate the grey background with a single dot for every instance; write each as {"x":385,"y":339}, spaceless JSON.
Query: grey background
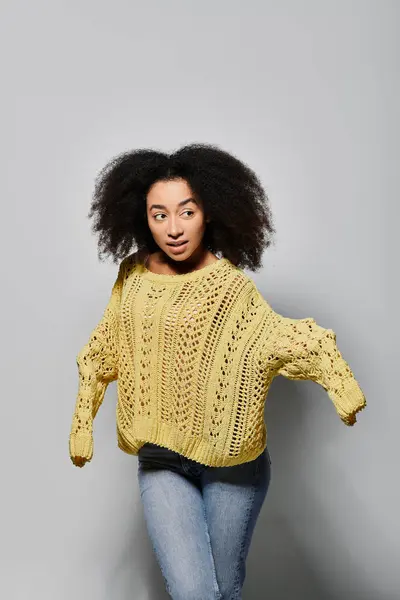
{"x":307,"y":93}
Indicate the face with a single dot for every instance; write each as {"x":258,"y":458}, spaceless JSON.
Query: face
{"x":175,"y":215}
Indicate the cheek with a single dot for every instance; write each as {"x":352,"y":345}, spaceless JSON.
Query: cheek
{"x":197,"y":226}
{"x":154,"y":227}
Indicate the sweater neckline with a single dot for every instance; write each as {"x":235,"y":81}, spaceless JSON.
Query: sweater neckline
{"x":182,"y":277}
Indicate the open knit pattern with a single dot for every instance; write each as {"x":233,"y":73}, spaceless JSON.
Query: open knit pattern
{"x":194,"y":355}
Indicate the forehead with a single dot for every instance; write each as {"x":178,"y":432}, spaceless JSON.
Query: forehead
{"x":169,"y":192}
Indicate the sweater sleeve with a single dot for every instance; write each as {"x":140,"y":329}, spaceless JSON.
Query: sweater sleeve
{"x":305,"y":350}
{"x":97,"y":365}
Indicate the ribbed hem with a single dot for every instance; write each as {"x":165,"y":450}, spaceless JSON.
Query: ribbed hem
{"x":163,"y":434}
{"x":81,"y":445}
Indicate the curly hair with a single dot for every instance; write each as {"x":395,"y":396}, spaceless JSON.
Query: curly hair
{"x":240,"y":226}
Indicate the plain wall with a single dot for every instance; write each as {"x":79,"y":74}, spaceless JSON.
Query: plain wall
{"x":307,"y":93}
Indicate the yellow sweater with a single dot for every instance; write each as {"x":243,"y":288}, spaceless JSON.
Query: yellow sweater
{"x":194,"y":355}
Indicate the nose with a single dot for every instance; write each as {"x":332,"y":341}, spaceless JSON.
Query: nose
{"x":174,"y":229}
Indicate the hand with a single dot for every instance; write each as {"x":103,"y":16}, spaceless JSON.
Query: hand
{"x":79,"y":461}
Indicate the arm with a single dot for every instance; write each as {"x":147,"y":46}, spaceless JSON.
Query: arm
{"x":306,"y":350}
{"x":97,"y":365}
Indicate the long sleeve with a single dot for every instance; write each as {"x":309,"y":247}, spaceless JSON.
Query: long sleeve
{"x":97,"y":365}
{"x":305,"y":350}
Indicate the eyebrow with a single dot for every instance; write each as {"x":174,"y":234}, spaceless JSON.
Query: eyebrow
{"x":181,"y":203}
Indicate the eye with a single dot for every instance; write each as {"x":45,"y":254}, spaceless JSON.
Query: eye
{"x":163,"y":215}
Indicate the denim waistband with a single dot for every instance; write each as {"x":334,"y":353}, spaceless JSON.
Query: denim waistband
{"x":152,"y":455}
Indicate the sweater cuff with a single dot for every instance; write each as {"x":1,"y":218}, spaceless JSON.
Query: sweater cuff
{"x":81,"y":444}
{"x":349,"y":400}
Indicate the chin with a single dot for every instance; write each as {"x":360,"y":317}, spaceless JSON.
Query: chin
{"x":179,"y":257}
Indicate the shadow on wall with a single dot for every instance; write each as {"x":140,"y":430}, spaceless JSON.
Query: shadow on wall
{"x":280,"y":564}
{"x":135,"y":574}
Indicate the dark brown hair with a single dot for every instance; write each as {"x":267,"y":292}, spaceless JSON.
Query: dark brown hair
{"x":240,"y":226}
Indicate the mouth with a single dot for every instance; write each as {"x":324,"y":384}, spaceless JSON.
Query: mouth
{"x":177,"y":244}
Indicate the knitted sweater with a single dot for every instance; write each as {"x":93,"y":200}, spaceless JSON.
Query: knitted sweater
{"x":194,"y":355}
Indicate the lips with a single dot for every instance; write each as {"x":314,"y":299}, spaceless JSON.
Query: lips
{"x":176,"y":245}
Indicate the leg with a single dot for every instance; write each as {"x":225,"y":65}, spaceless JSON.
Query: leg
{"x":233,"y":497}
{"x":175,"y":518}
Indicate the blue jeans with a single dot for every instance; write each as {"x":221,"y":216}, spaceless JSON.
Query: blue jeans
{"x":200,"y":520}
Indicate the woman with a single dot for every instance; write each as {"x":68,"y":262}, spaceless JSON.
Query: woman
{"x":194,"y":347}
